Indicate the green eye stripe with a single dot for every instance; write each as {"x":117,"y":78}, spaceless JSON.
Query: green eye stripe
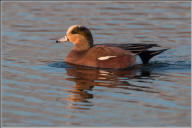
{"x":84,"y":32}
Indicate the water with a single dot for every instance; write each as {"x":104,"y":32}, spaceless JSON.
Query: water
{"x":39,"y":89}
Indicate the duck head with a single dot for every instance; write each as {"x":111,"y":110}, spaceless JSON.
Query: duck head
{"x":80,"y":36}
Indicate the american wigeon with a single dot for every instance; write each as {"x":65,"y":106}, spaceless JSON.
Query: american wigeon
{"x":116,"y":56}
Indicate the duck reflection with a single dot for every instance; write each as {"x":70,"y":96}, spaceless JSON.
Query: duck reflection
{"x":86,"y":79}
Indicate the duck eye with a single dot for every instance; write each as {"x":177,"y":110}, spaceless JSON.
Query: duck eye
{"x":74,"y":31}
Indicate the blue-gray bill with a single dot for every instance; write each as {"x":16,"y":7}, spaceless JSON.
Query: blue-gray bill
{"x":62,"y":39}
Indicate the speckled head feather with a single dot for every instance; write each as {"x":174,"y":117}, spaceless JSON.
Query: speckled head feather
{"x":82,"y":30}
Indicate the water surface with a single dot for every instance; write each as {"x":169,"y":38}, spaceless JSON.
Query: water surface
{"x":39,"y":89}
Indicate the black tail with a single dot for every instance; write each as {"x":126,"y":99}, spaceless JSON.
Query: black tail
{"x":147,"y":55}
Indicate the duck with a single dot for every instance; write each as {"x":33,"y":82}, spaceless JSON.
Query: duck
{"x":110,"y":55}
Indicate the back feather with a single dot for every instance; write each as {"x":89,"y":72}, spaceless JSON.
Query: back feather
{"x":140,"y":49}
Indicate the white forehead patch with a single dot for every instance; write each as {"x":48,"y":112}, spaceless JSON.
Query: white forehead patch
{"x":71,"y":28}
{"x":105,"y":57}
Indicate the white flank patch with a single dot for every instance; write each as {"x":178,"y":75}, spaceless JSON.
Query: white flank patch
{"x":102,"y":72}
{"x":105,"y":57}
{"x":138,"y":60}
